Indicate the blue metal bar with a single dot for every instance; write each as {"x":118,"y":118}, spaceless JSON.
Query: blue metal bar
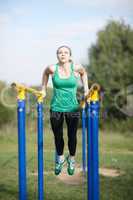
{"x":95,"y":156}
{"x":84,"y":140}
{"x":40,"y":151}
{"x":21,"y":150}
{"x":89,"y":154}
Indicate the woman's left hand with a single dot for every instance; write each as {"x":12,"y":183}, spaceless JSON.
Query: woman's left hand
{"x":86,"y":93}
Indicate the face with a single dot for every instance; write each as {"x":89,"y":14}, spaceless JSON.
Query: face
{"x":63,"y":55}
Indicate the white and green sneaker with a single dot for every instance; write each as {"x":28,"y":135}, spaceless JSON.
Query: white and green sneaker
{"x":59,"y":166}
{"x":71,"y":166}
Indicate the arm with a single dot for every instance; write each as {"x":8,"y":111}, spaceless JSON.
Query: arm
{"x":83,"y":74}
{"x":45,"y":78}
{"x":49,"y":70}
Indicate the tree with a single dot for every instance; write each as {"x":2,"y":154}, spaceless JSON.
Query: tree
{"x":111,"y":60}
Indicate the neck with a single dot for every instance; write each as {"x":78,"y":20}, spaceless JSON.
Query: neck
{"x":64,"y":65}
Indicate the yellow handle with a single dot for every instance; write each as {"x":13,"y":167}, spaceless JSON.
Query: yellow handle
{"x":21,"y":89}
{"x":93,"y":95}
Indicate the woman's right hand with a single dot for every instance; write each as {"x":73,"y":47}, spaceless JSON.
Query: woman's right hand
{"x":43,"y":92}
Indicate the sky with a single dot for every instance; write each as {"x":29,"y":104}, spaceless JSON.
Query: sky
{"x":31,"y":31}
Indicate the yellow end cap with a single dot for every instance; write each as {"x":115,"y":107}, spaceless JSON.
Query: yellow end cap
{"x":40,"y":99}
{"x":94,"y":96}
{"x":82,"y":104}
{"x":21,"y":94}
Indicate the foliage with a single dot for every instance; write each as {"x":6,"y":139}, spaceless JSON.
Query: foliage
{"x":6,"y":114}
{"x":111,"y":59}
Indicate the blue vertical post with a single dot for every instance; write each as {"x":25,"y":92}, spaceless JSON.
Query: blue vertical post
{"x":95,"y":154}
{"x":84,"y":140}
{"x":89,"y":154}
{"x":40,"y":151}
{"x":21,"y":150}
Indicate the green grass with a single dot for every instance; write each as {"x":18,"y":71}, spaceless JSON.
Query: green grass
{"x":116,"y":151}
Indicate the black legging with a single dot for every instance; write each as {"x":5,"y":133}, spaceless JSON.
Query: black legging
{"x":72,"y":119}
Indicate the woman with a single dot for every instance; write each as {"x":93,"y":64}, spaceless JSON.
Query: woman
{"x":64,"y":104}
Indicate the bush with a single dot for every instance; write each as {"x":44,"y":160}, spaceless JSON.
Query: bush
{"x":6,"y":115}
{"x":113,"y":124}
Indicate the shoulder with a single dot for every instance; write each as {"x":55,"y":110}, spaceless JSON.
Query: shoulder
{"x":50,"y":69}
{"x":79,"y":68}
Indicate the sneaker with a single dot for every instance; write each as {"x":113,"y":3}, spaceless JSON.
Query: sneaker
{"x":71,"y":166}
{"x":59,"y":166}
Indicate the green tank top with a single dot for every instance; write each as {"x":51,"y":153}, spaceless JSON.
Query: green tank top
{"x":64,"y":93}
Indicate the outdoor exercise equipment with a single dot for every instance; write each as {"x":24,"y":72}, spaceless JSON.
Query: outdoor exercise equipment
{"x":90,"y":117}
{"x":21,"y":96}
